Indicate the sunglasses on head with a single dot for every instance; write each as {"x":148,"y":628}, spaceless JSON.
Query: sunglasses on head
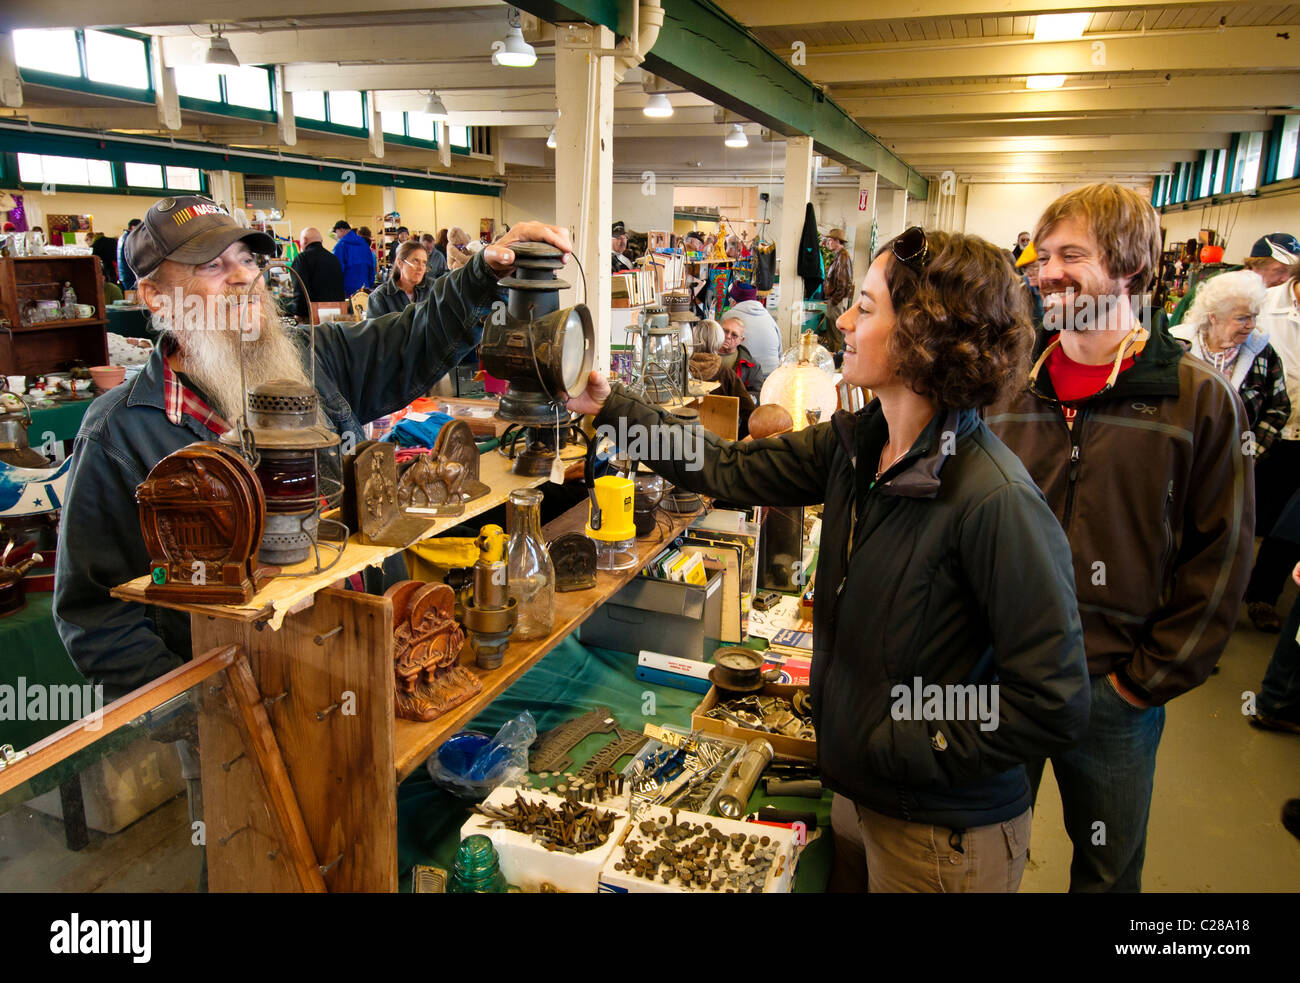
{"x":911,"y":249}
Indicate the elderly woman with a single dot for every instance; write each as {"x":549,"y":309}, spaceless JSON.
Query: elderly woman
{"x":941,"y":570}
{"x":457,"y":253}
{"x":1220,"y":328}
{"x":707,"y":364}
{"x":407,"y":284}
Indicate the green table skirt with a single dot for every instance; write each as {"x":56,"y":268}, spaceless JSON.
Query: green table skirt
{"x":570,"y":681}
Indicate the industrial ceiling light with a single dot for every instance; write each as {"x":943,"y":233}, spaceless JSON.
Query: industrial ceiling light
{"x":514,"y":51}
{"x":550,"y":138}
{"x":658,"y":106}
{"x":434,"y":107}
{"x":736,"y":138}
{"x":1044,"y":81}
{"x":1061,"y":27}
{"x":219,"y":54}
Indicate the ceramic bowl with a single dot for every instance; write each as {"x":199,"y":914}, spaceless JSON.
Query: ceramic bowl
{"x":107,"y":376}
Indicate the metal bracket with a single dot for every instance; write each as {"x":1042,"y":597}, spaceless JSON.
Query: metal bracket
{"x":553,"y":747}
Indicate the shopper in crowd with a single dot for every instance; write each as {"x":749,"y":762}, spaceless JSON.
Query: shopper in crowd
{"x":761,"y":334}
{"x":1022,"y":241}
{"x":190,"y":390}
{"x":706,"y":364}
{"x":1221,"y":329}
{"x":736,"y":358}
{"x":940,"y":567}
{"x":403,"y":235}
{"x":457,"y":252}
{"x":839,"y":283}
{"x":1277,"y":704}
{"x":105,"y":247}
{"x":1272,"y":257}
{"x":125,"y":275}
{"x":407,"y":283}
{"x":440,"y":243}
{"x":619,"y":263}
{"x":1278,"y":475}
{"x":357,"y":257}
{"x":318,"y":275}
{"x":1138,"y":449}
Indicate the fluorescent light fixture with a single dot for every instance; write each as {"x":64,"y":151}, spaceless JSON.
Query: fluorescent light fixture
{"x":220,"y":56}
{"x":658,"y":106}
{"x":434,"y":107}
{"x":1061,"y":27}
{"x":514,"y":51}
{"x":550,"y":138}
{"x":1044,"y":81}
{"x":736,"y":138}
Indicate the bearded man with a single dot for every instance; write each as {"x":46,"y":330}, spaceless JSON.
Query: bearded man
{"x":199,"y":276}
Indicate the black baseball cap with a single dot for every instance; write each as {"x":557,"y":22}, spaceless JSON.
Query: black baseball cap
{"x":188,"y":229}
{"x":340,"y":224}
{"x":1281,"y":246}
{"x":618,"y":229}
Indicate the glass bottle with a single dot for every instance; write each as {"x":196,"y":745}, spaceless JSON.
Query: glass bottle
{"x":69,"y":301}
{"x":477,"y":869}
{"x":532,"y":575}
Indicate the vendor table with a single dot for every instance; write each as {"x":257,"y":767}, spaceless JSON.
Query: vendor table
{"x":33,"y":652}
{"x":130,"y":322}
{"x":321,"y":663}
{"x":63,"y":419}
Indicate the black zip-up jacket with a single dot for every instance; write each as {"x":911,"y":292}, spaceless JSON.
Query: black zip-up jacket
{"x":1157,"y":497}
{"x":322,"y":273}
{"x":951,"y":568}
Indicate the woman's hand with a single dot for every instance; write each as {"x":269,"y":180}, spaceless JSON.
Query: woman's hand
{"x":501,"y":258}
{"x":593,"y":397}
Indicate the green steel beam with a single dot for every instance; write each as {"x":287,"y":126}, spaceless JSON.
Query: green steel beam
{"x":63,"y":142}
{"x":703,"y":49}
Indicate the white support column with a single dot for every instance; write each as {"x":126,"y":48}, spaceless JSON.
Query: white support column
{"x":376,"y":130}
{"x":867,"y":183}
{"x":165,"y":98}
{"x":498,"y":152}
{"x":11,"y":83}
{"x":286,"y":128}
{"x":221,"y":189}
{"x":443,"y":137}
{"x":389,"y":197}
{"x":584,"y":164}
{"x":794,"y":205}
{"x":891,"y":213}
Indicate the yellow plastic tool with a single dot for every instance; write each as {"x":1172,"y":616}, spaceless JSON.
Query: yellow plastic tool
{"x":614,"y":496}
{"x":491,"y":543}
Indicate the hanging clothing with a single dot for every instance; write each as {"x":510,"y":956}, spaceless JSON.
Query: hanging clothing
{"x":765,"y":265}
{"x":809,"y":267}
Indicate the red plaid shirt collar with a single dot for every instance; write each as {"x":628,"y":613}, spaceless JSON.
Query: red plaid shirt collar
{"x":179,"y":400}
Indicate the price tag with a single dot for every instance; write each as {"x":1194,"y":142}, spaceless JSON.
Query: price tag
{"x":557,"y":471}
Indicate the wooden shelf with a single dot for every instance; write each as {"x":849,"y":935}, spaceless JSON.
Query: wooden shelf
{"x":414,"y":741}
{"x":76,"y":322}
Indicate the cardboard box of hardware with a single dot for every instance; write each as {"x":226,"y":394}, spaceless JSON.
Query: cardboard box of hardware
{"x":527,"y":864}
{"x":791,"y":747}
{"x":777,"y":879}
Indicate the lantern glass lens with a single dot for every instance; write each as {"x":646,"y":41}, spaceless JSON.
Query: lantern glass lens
{"x":571,"y":351}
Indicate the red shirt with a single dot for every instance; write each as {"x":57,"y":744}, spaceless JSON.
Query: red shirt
{"x":1074,"y":380}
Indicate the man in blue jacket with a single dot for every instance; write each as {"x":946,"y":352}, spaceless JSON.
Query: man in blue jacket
{"x":200,"y":278}
{"x":357,"y":257}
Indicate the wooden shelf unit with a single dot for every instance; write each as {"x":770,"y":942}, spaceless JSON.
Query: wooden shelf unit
{"x":33,"y":349}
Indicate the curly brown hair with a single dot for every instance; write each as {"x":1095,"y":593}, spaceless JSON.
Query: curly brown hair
{"x":964,"y":325}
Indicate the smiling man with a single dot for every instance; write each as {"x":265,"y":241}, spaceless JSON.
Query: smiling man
{"x":200,"y":278}
{"x":1138,"y":448}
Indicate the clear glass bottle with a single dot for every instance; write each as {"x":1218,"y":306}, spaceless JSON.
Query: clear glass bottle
{"x":69,"y":301}
{"x":532,"y":575}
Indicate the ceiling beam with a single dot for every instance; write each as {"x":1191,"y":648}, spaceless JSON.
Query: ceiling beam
{"x":1258,"y":47}
{"x":150,"y":13}
{"x":777,"y":13}
{"x":443,"y":76}
{"x":898,"y":130}
{"x":1157,"y":159}
{"x":1235,"y":92}
{"x":1033,"y":145}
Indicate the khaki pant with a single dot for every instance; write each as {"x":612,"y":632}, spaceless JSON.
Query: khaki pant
{"x":903,"y":856}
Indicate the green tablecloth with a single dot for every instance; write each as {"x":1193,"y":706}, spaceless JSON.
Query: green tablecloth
{"x":61,"y":419}
{"x":33,"y":650}
{"x":129,"y":322}
{"x":572,"y":680}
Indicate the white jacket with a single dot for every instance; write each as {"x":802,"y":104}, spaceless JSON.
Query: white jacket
{"x":1280,"y":318}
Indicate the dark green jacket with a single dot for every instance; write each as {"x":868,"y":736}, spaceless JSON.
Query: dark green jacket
{"x":952,"y":569}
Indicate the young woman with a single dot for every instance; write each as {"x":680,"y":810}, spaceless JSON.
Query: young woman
{"x":946,"y":642}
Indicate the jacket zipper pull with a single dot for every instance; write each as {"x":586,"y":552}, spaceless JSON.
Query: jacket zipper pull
{"x":1074,"y":461}
{"x":954,"y":841}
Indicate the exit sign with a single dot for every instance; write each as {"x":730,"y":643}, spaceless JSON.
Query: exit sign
{"x":863,"y":197}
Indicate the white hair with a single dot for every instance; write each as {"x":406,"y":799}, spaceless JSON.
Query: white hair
{"x":1223,"y":292}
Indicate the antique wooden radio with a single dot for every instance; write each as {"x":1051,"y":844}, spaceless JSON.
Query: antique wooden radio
{"x":202,"y":512}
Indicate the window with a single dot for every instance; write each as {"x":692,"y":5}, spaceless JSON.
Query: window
{"x":44,"y":169}
{"x":1245,"y":171}
{"x":117,"y":60}
{"x":309,"y":105}
{"x":144,"y":175}
{"x":198,"y":82}
{"x":392,"y":121}
{"x":458,"y":136}
{"x":48,"y":51}
{"x":1220,"y":169}
{"x":1207,"y":164}
{"x":346,"y":109}
{"x":184,"y":179}
{"x":421,"y":126}
{"x":1286,"y":151}
{"x":250,"y":87}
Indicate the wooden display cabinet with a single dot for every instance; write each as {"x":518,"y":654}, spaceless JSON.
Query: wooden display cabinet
{"x":33,"y":349}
